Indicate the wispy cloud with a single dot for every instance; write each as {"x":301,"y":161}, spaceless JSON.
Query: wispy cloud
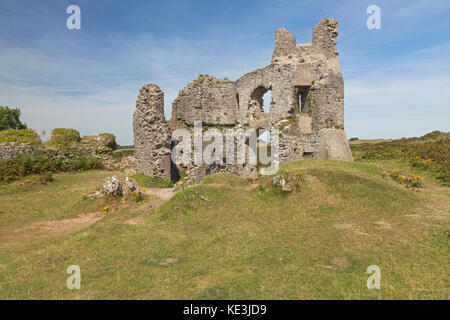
{"x":401,"y":97}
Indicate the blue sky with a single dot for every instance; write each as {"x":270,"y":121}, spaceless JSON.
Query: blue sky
{"x":397,"y":79}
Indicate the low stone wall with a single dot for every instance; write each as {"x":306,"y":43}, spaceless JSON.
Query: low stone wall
{"x":85,"y":148}
{"x":11,"y":149}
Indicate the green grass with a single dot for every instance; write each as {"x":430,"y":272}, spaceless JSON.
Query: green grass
{"x":232,"y":238}
{"x":151,"y":182}
{"x":121,"y":153}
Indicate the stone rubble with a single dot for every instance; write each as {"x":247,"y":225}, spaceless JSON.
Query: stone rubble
{"x":112,"y":187}
{"x":130,"y":185}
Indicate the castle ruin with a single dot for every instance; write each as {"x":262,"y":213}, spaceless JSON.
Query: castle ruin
{"x":307,"y":108}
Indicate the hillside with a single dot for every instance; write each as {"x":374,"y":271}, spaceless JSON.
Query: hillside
{"x":430,"y":153}
{"x":229,"y":237}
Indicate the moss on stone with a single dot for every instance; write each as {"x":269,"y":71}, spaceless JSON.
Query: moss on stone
{"x":22,"y":136}
{"x":108,"y":140}
{"x":64,"y":137}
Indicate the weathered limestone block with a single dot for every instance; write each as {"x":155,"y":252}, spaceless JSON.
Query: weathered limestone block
{"x":130,"y":185}
{"x":333,"y":145}
{"x":152,"y":136}
{"x":112,"y":187}
{"x":127,"y":162}
{"x":304,"y":124}
{"x":281,"y":182}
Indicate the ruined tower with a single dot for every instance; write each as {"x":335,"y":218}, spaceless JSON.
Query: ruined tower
{"x":151,"y":134}
{"x":307,"y":105}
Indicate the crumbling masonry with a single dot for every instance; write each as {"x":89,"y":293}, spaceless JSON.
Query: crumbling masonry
{"x":307,"y":107}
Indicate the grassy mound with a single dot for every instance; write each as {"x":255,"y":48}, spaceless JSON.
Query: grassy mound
{"x":151,"y":182}
{"x":230,"y":238}
{"x":62,"y":137}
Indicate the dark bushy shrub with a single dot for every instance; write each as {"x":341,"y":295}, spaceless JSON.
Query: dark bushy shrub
{"x":10,"y":119}
{"x":45,"y":161}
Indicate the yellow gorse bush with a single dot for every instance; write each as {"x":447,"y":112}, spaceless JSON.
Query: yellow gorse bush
{"x":411,"y":181}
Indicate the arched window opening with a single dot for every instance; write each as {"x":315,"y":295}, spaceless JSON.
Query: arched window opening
{"x":260,"y":102}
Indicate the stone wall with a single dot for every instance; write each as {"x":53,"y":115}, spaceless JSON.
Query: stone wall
{"x":278,"y":79}
{"x":208,"y":99}
{"x":11,"y":149}
{"x":92,"y":146}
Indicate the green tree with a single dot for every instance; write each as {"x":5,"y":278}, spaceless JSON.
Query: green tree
{"x":10,"y":119}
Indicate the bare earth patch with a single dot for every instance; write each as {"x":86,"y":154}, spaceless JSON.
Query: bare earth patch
{"x":168,"y":262}
{"x":134,"y":221}
{"x":163,"y":193}
{"x":53,"y":227}
{"x":82,"y":220}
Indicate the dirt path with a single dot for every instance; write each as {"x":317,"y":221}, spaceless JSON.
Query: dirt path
{"x":82,"y":220}
{"x":157,"y":196}
{"x":163,"y":193}
{"x":51,"y":227}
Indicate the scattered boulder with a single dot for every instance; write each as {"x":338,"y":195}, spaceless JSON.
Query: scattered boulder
{"x":130,"y":185}
{"x":281,"y":182}
{"x":333,"y":145}
{"x":112,"y":187}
